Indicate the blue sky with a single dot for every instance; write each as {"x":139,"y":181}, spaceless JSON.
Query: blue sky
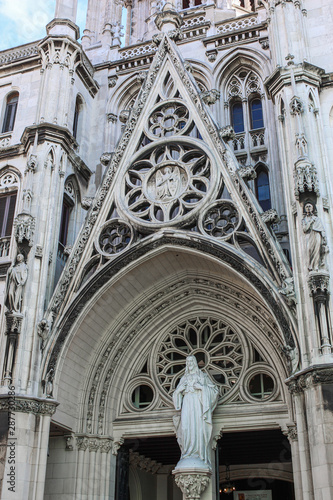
{"x":23,"y":21}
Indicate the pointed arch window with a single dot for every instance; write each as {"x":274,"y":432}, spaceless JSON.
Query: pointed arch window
{"x":10,"y":112}
{"x":257,"y":119}
{"x":262,"y":188}
{"x":237,"y":117}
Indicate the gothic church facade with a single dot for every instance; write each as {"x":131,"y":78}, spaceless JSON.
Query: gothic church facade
{"x":166,"y":190}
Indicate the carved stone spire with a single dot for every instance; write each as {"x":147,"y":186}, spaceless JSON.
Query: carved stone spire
{"x":65,"y":18}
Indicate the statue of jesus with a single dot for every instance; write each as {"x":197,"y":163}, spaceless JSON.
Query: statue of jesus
{"x":196,"y":396}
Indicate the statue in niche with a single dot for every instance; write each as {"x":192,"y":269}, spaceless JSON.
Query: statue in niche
{"x":196,"y":396}
{"x":316,"y":238}
{"x":16,"y":279}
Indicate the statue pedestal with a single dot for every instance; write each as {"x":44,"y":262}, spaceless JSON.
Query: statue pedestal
{"x":192,"y":476}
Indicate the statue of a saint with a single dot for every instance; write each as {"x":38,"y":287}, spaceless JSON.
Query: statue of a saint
{"x":196,"y":396}
{"x":316,"y":239}
{"x":16,"y":279}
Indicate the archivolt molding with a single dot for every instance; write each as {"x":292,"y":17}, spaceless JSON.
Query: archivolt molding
{"x":247,"y":58}
{"x":133,"y":329}
{"x":198,"y":244}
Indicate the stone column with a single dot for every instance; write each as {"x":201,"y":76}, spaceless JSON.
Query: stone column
{"x":27,"y":445}
{"x":291,"y":434}
{"x":318,"y":394}
{"x":303,"y":444}
{"x":95,"y":473}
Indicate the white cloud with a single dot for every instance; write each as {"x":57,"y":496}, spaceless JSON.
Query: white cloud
{"x":23,"y":21}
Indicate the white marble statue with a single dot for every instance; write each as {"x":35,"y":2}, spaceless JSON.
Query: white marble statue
{"x":316,"y":239}
{"x":196,"y":396}
{"x":16,"y":279}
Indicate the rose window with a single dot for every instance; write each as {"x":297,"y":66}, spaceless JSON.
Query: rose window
{"x":168,"y":118}
{"x":114,"y":237}
{"x":220,"y":220}
{"x":167,"y":184}
{"x":217,"y":347}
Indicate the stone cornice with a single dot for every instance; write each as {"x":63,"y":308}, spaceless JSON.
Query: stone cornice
{"x":59,"y":135}
{"x":24,"y":404}
{"x":313,"y":375}
{"x":281,"y":77}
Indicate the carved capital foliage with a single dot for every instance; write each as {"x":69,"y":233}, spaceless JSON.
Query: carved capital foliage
{"x":105,"y":158}
{"x":22,"y":405}
{"x":32,"y":164}
{"x":211,"y":55}
{"x":112,"y":118}
{"x":288,"y":292}
{"x":143,"y":463}
{"x":86,"y":202}
{"x":247,"y":172}
{"x":318,"y":283}
{"x":24,"y":228}
{"x":112,"y":81}
{"x":94,"y":443}
{"x":215,"y":439}
{"x":317,"y":375}
{"x":210,"y":96}
{"x":116,"y":445}
{"x":227,"y":133}
{"x":270,"y":216}
{"x":82,"y":443}
{"x":192,"y":485}
{"x":13,"y":322}
{"x":291,"y":432}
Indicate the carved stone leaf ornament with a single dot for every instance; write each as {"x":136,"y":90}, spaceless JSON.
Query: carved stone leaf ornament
{"x":192,"y":485}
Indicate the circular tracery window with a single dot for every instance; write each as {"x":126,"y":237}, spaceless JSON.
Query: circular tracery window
{"x":217,"y":347}
{"x":168,"y":118}
{"x":220,"y":220}
{"x":167,"y":184}
{"x":114,"y":237}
